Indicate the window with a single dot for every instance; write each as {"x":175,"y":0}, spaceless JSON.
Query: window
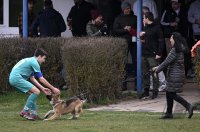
{"x":1,"y":12}
{"x":16,"y":6}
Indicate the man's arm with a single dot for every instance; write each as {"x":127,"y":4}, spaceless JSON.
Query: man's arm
{"x":38,"y":85}
{"x":47,"y":84}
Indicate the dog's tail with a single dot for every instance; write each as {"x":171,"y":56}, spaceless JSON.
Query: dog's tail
{"x":84,"y":101}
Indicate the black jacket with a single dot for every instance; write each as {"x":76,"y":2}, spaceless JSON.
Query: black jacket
{"x":171,"y":16}
{"x":154,"y":41}
{"x":120,"y":22}
{"x":80,"y":16}
{"x":176,"y":70}
{"x":50,"y":23}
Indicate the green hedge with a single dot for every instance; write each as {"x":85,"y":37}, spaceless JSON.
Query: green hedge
{"x":94,"y":66}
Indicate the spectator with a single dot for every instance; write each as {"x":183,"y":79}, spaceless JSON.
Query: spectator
{"x":109,"y":10}
{"x":49,"y":22}
{"x":96,"y":26}
{"x":174,"y":19}
{"x":147,"y":3}
{"x":31,"y":17}
{"x":161,"y":75}
{"x":125,"y":26}
{"x":194,"y":18}
{"x":78,"y":17}
{"x":176,"y":74}
{"x":152,"y":48}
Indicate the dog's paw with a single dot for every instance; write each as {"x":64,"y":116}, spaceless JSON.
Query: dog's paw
{"x":45,"y":120}
{"x":70,"y":118}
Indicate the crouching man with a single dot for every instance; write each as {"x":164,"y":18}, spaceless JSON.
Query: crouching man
{"x":27,"y":69}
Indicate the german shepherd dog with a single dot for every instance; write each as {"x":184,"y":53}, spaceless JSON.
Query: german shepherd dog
{"x":60,"y":107}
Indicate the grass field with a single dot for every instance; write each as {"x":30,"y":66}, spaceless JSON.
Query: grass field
{"x":12,"y":103}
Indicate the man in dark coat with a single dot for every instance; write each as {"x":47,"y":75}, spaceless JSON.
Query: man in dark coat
{"x":152,"y":48}
{"x":125,"y":26}
{"x":78,"y":17}
{"x":50,"y":22}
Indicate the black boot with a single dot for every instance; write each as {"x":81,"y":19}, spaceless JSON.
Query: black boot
{"x":167,"y":116}
{"x":190,"y":111}
{"x":155,"y":94}
{"x":145,"y":94}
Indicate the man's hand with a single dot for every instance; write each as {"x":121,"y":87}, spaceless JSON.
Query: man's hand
{"x":128,"y":28}
{"x":157,"y":57}
{"x":47,"y":91}
{"x":154,"y":69}
{"x":173,"y":24}
{"x":56,"y":91}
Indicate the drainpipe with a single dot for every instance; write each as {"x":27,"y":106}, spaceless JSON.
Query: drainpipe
{"x":25,"y":19}
{"x":139,"y":51}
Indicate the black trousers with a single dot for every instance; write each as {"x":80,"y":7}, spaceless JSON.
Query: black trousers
{"x":171,"y":96}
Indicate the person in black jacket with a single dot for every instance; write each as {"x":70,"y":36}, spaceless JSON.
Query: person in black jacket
{"x":78,"y":17}
{"x":176,"y":74}
{"x":125,"y":26}
{"x":50,"y":22}
{"x":174,"y":19}
{"x":152,"y":48}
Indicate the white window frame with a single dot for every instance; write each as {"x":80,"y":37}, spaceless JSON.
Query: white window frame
{"x":5,"y":13}
{"x":5,"y":30}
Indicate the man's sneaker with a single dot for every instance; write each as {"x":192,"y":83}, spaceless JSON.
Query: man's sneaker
{"x":145,"y":97}
{"x":154,"y":95}
{"x":162,"y":88}
{"x":33,"y":117}
{"x":24,"y":114}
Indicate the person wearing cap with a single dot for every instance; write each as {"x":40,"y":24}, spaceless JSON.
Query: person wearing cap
{"x":125,"y":26}
{"x":96,"y":26}
{"x":174,"y":19}
{"x":31,"y":17}
{"x":49,"y":22}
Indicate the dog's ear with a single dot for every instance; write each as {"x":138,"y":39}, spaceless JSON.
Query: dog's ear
{"x":49,"y":97}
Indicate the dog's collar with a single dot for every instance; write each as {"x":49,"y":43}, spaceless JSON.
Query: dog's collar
{"x":57,"y":102}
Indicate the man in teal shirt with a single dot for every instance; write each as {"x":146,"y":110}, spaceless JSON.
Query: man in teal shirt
{"x":29,"y":68}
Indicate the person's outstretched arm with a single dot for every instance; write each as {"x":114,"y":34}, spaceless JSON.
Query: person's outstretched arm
{"x":38,"y":85}
{"x":47,"y":84}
